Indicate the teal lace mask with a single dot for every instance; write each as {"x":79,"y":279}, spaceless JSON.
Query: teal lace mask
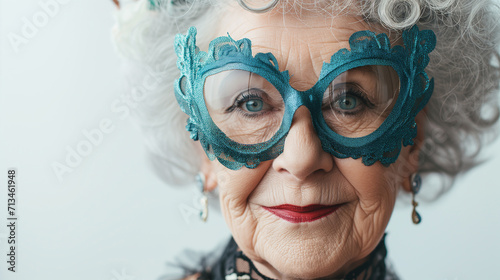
{"x":363,"y":105}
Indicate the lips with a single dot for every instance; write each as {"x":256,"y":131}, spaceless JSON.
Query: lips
{"x":302,"y":214}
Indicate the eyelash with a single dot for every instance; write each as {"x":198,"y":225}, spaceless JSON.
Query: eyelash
{"x":350,"y":90}
{"x":243,"y":97}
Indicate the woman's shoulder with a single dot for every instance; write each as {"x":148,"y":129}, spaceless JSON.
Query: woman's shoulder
{"x":195,"y":265}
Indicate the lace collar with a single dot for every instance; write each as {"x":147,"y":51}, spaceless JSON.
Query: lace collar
{"x":234,"y":265}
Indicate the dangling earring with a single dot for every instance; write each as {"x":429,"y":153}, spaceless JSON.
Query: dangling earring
{"x":200,"y":181}
{"x":416,"y":183}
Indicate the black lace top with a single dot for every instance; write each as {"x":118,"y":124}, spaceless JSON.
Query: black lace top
{"x":234,"y":265}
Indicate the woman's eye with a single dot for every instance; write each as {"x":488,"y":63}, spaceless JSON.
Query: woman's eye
{"x":347,"y":102}
{"x":254,"y":105}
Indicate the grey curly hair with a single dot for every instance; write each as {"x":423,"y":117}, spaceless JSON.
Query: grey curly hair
{"x":465,"y":67}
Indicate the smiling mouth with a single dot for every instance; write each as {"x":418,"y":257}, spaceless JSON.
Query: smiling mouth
{"x":302,"y":214}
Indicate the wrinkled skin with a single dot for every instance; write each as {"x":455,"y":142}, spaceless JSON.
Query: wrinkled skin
{"x":304,"y":173}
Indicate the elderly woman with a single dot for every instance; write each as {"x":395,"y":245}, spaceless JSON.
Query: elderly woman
{"x":309,"y":117}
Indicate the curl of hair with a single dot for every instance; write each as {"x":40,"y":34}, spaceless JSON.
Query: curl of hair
{"x":465,"y":66}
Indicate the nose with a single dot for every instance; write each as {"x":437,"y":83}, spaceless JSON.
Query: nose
{"x":302,"y":154}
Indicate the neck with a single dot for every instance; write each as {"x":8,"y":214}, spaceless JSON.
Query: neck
{"x":272,"y":273}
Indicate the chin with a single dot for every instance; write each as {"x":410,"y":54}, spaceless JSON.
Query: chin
{"x":307,"y":259}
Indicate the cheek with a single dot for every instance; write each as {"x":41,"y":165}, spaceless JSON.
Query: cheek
{"x":376,"y":188}
{"x":239,"y":184}
{"x":235,"y":188}
{"x":371,"y":183}
{"x":376,"y":182}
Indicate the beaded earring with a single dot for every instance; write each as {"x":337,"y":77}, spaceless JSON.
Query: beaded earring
{"x":416,"y":183}
{"x":200,"y":180}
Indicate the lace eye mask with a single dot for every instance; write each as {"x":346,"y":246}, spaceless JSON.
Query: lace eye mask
{"x":364,"y":103}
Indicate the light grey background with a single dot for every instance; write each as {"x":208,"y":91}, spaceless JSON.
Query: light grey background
{"x":111,"y":218}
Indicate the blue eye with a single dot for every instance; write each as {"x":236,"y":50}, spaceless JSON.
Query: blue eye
{"x":347,"y":102}
{"x":254,"y":105}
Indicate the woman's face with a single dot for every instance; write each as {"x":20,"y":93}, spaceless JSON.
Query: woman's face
{"x":360,"y":198}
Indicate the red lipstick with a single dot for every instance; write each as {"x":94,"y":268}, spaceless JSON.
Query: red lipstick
{"x":302,"y":214}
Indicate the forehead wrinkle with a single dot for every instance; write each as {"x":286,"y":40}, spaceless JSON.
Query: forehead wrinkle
{"x":304,"y":66}
{"x":316,"y":43}
{"x":303,"y":60}
{"x":292,"y":42}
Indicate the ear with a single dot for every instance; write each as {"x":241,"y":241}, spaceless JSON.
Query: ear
{"x":414,"y":154}
{"x":207,"y":167}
